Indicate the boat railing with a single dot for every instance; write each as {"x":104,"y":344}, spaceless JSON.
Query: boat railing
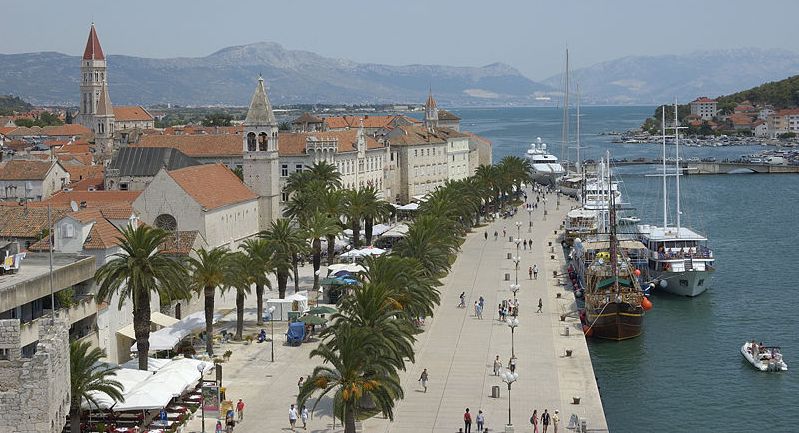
{"x":676,"y":255}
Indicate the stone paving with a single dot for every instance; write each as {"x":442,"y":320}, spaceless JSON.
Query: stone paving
{"x":457,"y":348}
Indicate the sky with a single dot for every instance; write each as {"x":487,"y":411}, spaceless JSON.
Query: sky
{"x":530,"y":35}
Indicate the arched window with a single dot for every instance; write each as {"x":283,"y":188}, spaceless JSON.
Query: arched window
{"x":166,"y":222}
{"x":251,"y":145}
{"x":262,"y":141}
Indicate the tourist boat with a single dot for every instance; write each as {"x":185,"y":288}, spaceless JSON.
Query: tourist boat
{"x":763,"y":358}
{"x":614,"y":301}
{"x":679,"y":260}
{"x":571,"y":185}
{"x":581,"y":224}
{"x":546,"y":168}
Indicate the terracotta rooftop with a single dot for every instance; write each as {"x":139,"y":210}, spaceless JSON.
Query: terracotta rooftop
{"x":93,"y":198}
{"x":103,"y":234}
{"x":413,"y":135}
{"x":21,"y":169}
{"x":294,"y":143}
{"x":703,"y":99}
{"x":87,"y":183}
{"x":197,"y":146}
{"x":342,"y":122}
{"x":93,"y":50}
{"x":66,"y":130}
{"x":201,"y":130}
{"x":212,"y":185}
{"x":26,"y":221}
{"x":131,"y":113}
{"x":446,"y":115}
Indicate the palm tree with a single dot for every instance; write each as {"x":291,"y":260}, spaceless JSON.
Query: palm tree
{"x":415,"y":292}
{"x":285,"y":242}
{"x":319,"y":225}
{"x":208,"y":272}
{"x":88,"y":375}
{"x":431,"y":242}
{"x":241,"y":278}
{"x":261,"y":259}
{"x":331,"y":203}
{"x":356,"y":204}
{"x":376,"y":209}
{"x":136,"y":273}
{"x":326,"y":173}
{"x":353,"y":373}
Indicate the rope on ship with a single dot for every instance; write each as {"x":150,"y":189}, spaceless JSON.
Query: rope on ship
{"x":597,"y":317}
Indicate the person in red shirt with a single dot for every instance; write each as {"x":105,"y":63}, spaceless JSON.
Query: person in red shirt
{"x":467,"y":421}
{"x":240,"y":409}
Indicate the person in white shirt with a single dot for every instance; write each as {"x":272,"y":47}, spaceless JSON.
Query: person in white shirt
{"x":292,"y":416}
{"x":304,"y":417}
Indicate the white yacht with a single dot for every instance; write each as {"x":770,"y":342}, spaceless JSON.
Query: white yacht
{"x":679,"y":260}
{"x":546,"y":168}
{"x":763,"y":358}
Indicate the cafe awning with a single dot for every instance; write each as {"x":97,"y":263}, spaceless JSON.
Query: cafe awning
{"x":156,"y":318}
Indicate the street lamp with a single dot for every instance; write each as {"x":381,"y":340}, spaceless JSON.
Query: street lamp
{"x":509,"y":377}
{"x":201,"y":369}
{"x":530,"y":214}
{"x":515,"y":288}
{"x":518,"y":229}
{"x":512,"y":322}
{"x":516,"y":261}
{"x":272,"y":325}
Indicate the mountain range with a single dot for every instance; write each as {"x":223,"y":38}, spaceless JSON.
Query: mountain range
{"x":227,"y":77}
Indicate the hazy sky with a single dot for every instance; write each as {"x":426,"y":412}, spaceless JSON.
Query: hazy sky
{"x":527,"y":34}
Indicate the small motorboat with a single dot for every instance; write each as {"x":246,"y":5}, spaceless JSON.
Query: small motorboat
{"x":763,"y":358}
{"x":629,"y":220}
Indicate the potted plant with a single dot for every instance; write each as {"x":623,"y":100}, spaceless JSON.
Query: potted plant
{"x":248,"y":340}
{"x":227,"y":354}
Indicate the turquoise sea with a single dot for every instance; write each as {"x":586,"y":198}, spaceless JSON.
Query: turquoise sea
{"x":686,"y":372}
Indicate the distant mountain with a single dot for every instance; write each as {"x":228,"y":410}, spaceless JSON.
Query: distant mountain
{"x":227,"y":77}
{"x":659,"y":79}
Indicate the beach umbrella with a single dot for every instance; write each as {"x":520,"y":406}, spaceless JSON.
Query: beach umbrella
{"x":332,"y":282}
{"x":322,"y":309}
{"x":312,"y":320}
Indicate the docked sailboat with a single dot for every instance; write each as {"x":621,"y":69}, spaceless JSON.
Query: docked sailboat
{"x":680,"y":261}
{"x":614,"y":301}
{"x":546,"y":168}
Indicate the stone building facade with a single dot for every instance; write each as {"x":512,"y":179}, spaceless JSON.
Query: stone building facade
{"x":35,"y":391}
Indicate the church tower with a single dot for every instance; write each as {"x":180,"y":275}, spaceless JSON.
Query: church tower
{"x":93,"y":88}
{"x":104,"y":122}
{"x":261,"y":164}
{"x":430,"y":112}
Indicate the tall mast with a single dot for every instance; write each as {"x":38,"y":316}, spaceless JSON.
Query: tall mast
{"x":677,"y":157}
{"x":665,"y":185}
{"x":612,"y":222}
{"x":565,"y":138}
{"x":578,"y":163}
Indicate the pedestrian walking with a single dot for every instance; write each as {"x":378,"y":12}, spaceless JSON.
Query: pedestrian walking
{"x":218,"y":428}
{"x":480,"y":311}
{"x":495,"y":235}
{"x":304,"y":417}
{"x":423,"y":379}
{"x":482,"y":301}
{"x":240,"y":410}
{"x":467,"y":421}
{"x":530,"y":244}
{"x":534,"y":420}
{"x":486,"y":235}
{"x":540,"y":305}
{"x":545,"y":421}
{"x":504,"y":234}
{"x":476,"y":306}
{"x":535,"y":272}
{"x":555,"y":421}
{"x":530,"y":272}
{"x":463,"y":300}
{"x":481,"y":419}
{"x":512,"y":364}
{"x":497,"y":366}
{"x":292,"y":416}
{"x":300,"y":383}
{"x":525,"y":244}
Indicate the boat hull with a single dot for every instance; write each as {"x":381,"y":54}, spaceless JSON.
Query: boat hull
{"x":545,"y":178}
{"x":685,"y":283}
{"x":569,"y":191}
{"x":614,"y":321}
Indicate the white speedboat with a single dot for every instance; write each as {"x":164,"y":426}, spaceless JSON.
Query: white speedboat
{"x":546,"y":168}
{"x":629,"y":220}
{"x":763,"y":358}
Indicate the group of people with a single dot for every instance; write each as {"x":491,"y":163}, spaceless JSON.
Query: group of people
{"x":498,"y":365}
{"x":508,"y":308}
{"x":480,"y":419}
{"x":478,"y":308}
{"x":545,"y":421}
{"x":231,"y":418}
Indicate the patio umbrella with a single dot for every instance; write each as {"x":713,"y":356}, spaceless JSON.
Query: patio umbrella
{"x":312,"y":320}
{"x":331,"y":282}
{"x":322,"y":309}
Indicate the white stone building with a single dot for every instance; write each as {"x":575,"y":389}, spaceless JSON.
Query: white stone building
{"x":705,"y":108}
{"x":22,"y":179}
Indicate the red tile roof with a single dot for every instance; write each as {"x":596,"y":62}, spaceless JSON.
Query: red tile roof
{"x":103,"y":234}
{"x":703,"y":99}
{"x":21,"y":169}
{"x":93,"y":198}
{"x":131,"y":113}
{"x":66,"y":130}
{"x":342,"y":122}
{"x":26,"y":221}
{"x":293,"y":143}
{"x":413,"y":135}
{"x":212,"y":185}
{"x":93,"y":50}
{"x":95,"y":183}
{"x":223,"y":145}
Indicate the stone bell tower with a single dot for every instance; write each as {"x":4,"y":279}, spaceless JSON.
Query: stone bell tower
{"x":95,"y":111}
{"x":261,"y":164}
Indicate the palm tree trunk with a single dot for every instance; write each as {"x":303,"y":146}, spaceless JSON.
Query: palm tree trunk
{"x":356,"y":233}
{"x":349,"y":421}
{"x":294,"y":264}
{"x":141,"y":327}
{"x":209,"y":320}
{"x":331,"y":249}
{"x":282,"y":281}
{"x":239,"y":314}
{"x":259,"y":296}
{"x":317,"y":261}
{"x":74,"y":419}
{"x":368,"y":229}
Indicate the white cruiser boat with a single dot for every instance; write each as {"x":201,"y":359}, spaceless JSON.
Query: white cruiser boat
{"x":763,"y":358}
{"x":546,"y":168}
{"x":679,"y":260}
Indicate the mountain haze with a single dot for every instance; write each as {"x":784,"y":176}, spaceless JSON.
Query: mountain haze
{"x":228,"y":76}
{"x":659,"y":79}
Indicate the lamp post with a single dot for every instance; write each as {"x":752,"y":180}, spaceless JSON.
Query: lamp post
{"x":272,"y":325}
{"x":515,"y":288}
{"x":516,"y":261}
{"x":509,"y":378}
{"x":201,"y":369}
{"x":530,"y":214}
{"x":512,"y":322}
{"x":518,"y":229}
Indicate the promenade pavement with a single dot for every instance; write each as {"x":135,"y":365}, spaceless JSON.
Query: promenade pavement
{"x":457,"y":348}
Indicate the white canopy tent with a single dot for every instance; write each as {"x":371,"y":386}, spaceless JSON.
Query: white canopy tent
{"x":409,"y":206}
{"x":349,"y":267}
{"x":127,"y":377}
{"x":284,"y":306}
{"x":167,"y":338}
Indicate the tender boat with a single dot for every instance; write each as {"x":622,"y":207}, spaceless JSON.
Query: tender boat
{"x":629,"y":220}
{"x":763,"y":358}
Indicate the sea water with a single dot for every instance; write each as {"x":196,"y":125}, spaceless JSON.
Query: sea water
{"x":685,"y":373}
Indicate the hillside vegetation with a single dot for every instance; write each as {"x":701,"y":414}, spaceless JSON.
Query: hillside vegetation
{"x":780,"y":94}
